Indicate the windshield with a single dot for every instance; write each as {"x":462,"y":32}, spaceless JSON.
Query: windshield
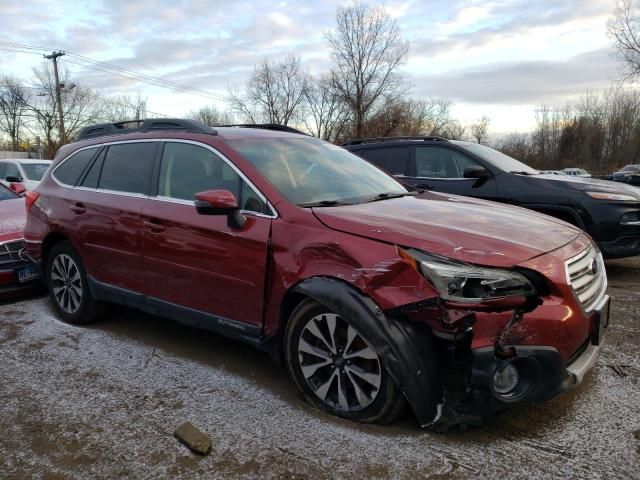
{"x":34,"y":171}
{"x":310,"y":171}
{"x":498,"y":159}
{"x":6,"y":194}
{"x":631,"y":168}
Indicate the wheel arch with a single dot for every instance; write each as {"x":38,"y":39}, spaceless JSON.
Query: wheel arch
{"x":398,"y":343}
{"x":48,"y":243}
{"x":567,"y":214}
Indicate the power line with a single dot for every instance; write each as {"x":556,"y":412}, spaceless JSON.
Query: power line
{"x":105,"y":67}
{"x":157,"y":84}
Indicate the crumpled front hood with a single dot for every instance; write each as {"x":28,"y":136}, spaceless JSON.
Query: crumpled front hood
{"x":12,"y":219}
{"x":462,"y":228}
{"x":590,"y":184}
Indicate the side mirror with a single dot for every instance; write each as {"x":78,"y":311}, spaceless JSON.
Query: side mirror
{"x":17,"y":187}
{"x":475,"y":172}
{"x":12,"y":179}
{"x":220,"y":202}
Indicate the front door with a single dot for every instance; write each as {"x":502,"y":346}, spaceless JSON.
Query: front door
{"x":201,"y":261}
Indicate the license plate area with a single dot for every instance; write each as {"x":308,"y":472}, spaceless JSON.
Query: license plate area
{"x":27,"y":273}
{"x":601,"y":321}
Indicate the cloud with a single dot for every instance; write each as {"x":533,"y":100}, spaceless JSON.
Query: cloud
{"x":473,"y":51}
{"x":524,"y":82}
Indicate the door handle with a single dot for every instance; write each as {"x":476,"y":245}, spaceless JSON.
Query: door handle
{"x":154,"y":226}
{"x":77,"y":208}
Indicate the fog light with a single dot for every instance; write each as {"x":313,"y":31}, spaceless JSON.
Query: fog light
{"x":632,"y":218}
{"x":505,"y":379}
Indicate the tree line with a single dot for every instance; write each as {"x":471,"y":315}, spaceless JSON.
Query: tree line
{"x":362,"y":94}
{"x":29,"y":118}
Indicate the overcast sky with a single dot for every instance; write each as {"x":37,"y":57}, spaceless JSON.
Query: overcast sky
{"x":496,"y":58}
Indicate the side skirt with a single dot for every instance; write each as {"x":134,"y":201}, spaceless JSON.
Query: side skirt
{"x":195,"y":318}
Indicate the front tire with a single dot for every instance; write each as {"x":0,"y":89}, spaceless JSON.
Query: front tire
{"x":68,"y":287}
{"x":336,"y":368}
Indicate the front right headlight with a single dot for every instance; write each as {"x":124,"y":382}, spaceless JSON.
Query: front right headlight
{"x":465,"y":283}
{"x":618,"y":197}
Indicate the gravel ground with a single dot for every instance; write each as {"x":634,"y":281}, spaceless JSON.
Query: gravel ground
{"x":103,"y":402}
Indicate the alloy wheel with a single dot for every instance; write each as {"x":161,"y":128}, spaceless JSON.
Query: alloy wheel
{"x":66,"y":283}
{"x":338,"y":364}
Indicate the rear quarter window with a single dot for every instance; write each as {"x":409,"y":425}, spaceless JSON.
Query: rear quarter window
{"x":69,"y":171}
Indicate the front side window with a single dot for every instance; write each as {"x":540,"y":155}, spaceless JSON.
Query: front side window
{"x":307,"y":170}
{"x":127,"y":167}
{"x":438,"y":162}
{"x":496,"y":158}
{"x":11,"y":170}
{"x":35,"y":171}
{"x":188,"y":169}
{"x":69,"y":171}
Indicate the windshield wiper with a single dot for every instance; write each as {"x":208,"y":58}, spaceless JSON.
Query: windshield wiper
{"x":523,"y":173}
{"x":324,"y":203}
{"x":388,"y":195}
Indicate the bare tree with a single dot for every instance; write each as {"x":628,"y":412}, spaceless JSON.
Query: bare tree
{"x":81,"y":106}
{"x":624,"y":29}
{"x":13,"y":108}
{"x":410,"y":116}
{"x":480,"y":129}
{"x":327,"y":114}
{"x":211,"y":116}
{"x":122,"y":108}
{"x":516,"y":145}
{"x":367,"y":49}
{"x":454,"y":130}
{"x":275,"y":92}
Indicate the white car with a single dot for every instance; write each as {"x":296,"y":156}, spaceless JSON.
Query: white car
{"x":576,"y":172}
{"x":30,"y":172}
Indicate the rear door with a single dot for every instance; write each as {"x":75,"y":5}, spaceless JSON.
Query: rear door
{"x":106,"y":208}
{"x":442,"y":169}
{"x":200,"y":261}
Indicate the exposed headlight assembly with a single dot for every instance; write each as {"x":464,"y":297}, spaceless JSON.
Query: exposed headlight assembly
{"x":465,"y":283}
{"x":618,"y":197}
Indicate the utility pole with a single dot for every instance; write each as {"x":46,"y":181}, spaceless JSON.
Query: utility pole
{"x":54,"y":57}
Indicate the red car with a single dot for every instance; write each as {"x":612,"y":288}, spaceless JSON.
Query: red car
{"x":373,"y":296}
{"x":18,"y":276}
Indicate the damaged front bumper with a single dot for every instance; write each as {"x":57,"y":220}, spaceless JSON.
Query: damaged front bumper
{"x":542,"y":374}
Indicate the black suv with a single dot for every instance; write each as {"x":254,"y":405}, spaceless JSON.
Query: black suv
{"x":608,"y":211}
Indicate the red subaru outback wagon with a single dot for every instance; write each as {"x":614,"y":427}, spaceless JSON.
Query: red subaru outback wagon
{"x":372,"y":295}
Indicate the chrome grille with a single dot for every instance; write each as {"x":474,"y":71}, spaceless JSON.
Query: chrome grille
{"x":9,"y":254}
{"x":587,"y":276}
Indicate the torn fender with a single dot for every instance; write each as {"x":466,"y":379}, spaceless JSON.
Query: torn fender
{"x":405,"y":352}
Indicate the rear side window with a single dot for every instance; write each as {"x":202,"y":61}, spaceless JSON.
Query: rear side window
{"x":70,"y":170}
{"x":2,"y":167}
{"x":392,"y":160}
{"x":128,"y":167}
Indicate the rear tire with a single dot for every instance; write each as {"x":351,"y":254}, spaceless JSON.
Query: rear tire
{"x":336,"y":368}
{"x":68,"y":287}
